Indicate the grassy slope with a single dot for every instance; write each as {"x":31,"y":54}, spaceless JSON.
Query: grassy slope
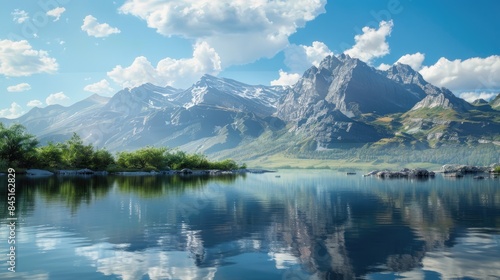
{"x":281,"y":161}
{"x":282,"y":149}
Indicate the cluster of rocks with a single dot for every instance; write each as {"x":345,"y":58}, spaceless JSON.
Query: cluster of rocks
{"x":403,"y":173}
{"x":84,"y":171}
{"x":454,"y":170}
{"x":464,"y":169}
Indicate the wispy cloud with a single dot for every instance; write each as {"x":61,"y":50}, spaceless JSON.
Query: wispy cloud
{"x":101,"y":87}
{"x":56,"y":98}
{"x":300,"y":57}
{"x":286,"y":79}
{"x":18,"y":58}
{"x":174,"y":72}
{"x":19,"y":87}
{"x":96,"y":29}
{"x":20,"y":16}
{"x":12,"y":112}
{"x":372,"y":43}
{"x":35,"y":103}
{"x":56,"y":13}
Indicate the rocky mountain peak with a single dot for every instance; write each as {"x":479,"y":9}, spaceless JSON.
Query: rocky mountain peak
{"x":479,"y":102}
{"x":445,"y":99}
{"x":329,"y":63}
{"x":344,"y":57}
{"x":403,"y":73}
{"x":98,"y":99}
{"x":411,"y":80}
{"x":495,"y":103}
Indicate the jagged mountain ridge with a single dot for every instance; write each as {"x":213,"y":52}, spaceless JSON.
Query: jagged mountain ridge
{"x":352,"y":89}
{"x":350,"y":85}
{"x":343,"y":100}
{"x":495,"y":103}
{"x":153,"y":115}
{"x":230,"y":94}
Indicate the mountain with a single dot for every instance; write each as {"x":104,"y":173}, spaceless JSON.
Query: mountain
{"x":341,"y":103}
{"x":230,"y":94}
{"x":495,"y":103}
{"x":215,"y":112}
{"x":411,"y":80}
{"x":444,"y":99}
{"x":55,"y":122}
{"x":128,"y":101}
{"x":330,"y":101}
{"x":443,"y":117}
{"x":350,"y":85}
{"x":479,"y":102}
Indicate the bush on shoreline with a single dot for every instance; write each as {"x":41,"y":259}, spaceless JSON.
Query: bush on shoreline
{"x":19,"y":149}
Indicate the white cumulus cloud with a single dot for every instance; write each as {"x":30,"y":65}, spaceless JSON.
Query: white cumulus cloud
{"x":35,"y":103}
{"x":464,"y":75}
{"x":384,"y":66}
{"x":299,"y":57}
{"x":101,"y":87}
{"x":12,"y":112}
{"x":240,"y":31}
{"x":286,"y":79}
{"x":173,"y":72}
{"x":56,"y":13}
{"x":372,"y":43}
{"x":18,"y":58}
{"x":96,"y":29}
{"x":20,"y":16}
{"x":19,"y":87}
{"x":414,"y":60}
{"x":56,"y":98}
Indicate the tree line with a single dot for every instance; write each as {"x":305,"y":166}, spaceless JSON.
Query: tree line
{"x":20,"y":149}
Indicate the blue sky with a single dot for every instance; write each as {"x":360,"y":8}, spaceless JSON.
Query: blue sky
{"x":62,"y":51}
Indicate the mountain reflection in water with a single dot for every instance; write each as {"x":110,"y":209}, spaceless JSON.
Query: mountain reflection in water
{"x":303,"y":225}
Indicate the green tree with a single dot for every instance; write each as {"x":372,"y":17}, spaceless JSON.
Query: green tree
{"x":17,"y":147}
{"x":50,"y":156}
{"x":102,"y":159}
{"x":76,"y":154}
{"x":145,"y":158}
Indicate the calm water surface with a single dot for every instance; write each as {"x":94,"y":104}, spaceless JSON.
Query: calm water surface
{"x":304,"y":225}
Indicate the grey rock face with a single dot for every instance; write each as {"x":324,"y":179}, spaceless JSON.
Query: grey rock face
{"x":411,"y":80}
{"x":445,"y":99}
{"x":329,"y":98}
{"x":350,"y":85}
{"x":232,"y":95}
{"x":495,"y":103}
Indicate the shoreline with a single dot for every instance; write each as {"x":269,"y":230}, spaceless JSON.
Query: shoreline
{"x":446,"y":169}
{"x":182,"y":172}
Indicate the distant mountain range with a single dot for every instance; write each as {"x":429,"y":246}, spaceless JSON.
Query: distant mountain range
{"x":341,"y":102}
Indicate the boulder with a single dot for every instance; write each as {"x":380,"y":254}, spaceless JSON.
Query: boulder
{"x":403,"y":173}
{"x":493,"y":166}
{"x":84,"y":171}
{"x":186,"y":171}
{"x":38,"y":172}
{"x":455,"y":168}
{"x":373,"y":172}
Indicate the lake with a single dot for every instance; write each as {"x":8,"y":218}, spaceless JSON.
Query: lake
{"x":305,"y":224}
